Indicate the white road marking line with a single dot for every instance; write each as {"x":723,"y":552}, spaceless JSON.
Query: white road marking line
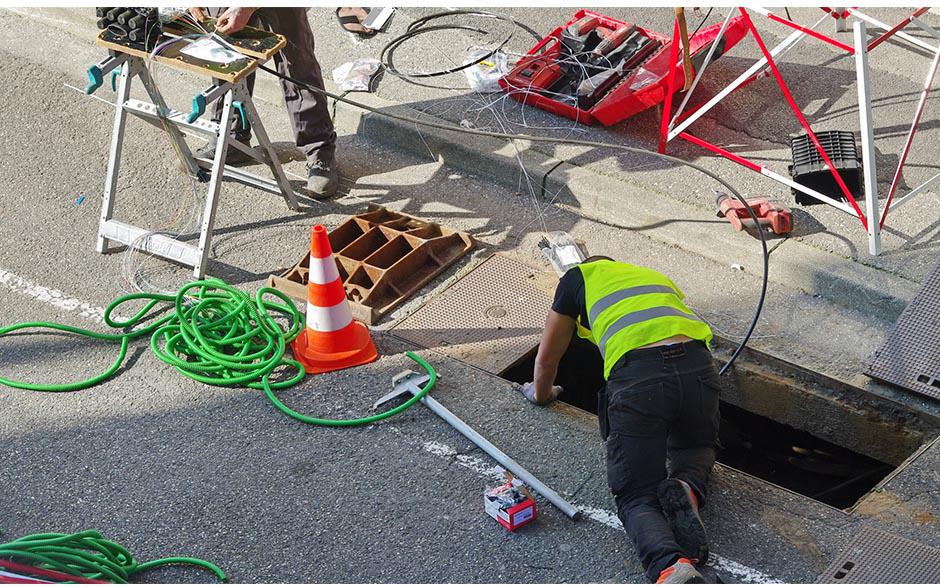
{"x":743,"y":573}
{"x":50,"y":296}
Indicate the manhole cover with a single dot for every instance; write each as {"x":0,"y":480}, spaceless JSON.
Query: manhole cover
{"x":910,"y":354}
{"x":489,"y":318}
{"x":875,"y":556}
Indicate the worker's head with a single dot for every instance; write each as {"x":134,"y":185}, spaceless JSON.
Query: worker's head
{"x":593,"y":258}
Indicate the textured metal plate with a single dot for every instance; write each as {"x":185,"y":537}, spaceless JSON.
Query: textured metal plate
{"x":489,"y":318}
{"x":910,"y":354}
{"x":875,"y":556}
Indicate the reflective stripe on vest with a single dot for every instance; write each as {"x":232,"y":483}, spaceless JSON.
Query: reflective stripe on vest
{"x":611,"y":299}
{"x":629,"y":306}
{"x":641,"y":316}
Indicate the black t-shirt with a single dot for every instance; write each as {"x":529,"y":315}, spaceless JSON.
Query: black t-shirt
{"x":569,"y":296}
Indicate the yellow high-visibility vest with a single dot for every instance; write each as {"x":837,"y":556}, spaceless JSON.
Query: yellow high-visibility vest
{"x":630,"y":306}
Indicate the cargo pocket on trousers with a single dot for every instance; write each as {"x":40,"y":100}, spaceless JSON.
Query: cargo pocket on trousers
{"x":602,"y":420}
{"x":618,"y":467}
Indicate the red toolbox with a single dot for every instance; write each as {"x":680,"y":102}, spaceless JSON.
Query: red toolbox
{"x":645,"y":86}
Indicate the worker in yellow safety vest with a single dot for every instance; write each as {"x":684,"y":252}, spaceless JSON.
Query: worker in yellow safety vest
{"x":660,"y":399}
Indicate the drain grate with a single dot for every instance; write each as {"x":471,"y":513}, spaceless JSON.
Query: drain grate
{"x":875,"y":556}
{"x":489,"y":318}
{"x":910,"y":354}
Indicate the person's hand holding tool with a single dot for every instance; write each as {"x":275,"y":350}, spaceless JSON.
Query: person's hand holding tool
{"x":233,"y":20}
{"x":198,"y":13}
{"x":528,"y":390}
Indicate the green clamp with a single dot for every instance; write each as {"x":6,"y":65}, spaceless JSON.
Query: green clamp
{"x":114,"y":77}
{"x":240,"y":108}
{"x":199,"y":108}
{"x":96,"y":78}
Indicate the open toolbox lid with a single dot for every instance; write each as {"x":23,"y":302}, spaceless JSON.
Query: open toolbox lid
{"x":644,"y":87}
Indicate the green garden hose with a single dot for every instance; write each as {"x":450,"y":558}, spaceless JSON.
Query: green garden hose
{"x":215,"y":334}
{"x":88,"y":554}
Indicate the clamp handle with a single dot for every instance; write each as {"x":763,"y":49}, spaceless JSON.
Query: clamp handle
{"x":240,"y":108}
{"x":199,"y":108}
{"x":114,"y":77}
{"x":95,"y":77}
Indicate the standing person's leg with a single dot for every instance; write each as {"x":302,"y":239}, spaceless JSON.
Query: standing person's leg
{"x":691,"y":451}
{"x":639,"y":412}
{"x":309,"y":114}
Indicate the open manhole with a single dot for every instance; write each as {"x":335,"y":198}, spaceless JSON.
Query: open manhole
{"x":775,"y":428}
{"x":757,"y":445}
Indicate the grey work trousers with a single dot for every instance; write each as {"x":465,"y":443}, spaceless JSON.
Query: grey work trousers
{"x":309,"y":114}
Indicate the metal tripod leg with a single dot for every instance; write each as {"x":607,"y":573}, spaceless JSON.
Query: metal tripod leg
{"x":128,"y":70}
{"x":215,"y":183}
{"x":273,"y":162}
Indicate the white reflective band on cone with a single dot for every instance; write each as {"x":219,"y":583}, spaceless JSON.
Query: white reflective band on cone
{"x":328,"y":319}
{"x":323,"y":271}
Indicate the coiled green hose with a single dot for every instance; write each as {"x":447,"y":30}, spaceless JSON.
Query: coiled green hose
{"x":88,"y":554}
{"x":215,"y":334}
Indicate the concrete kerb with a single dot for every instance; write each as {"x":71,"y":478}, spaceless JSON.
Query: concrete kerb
{"x":618,"y":201}
{"x":637,"y":206}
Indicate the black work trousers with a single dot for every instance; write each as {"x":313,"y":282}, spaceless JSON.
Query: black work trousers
{"x":658,"y":402}
{"x":308,"y":111}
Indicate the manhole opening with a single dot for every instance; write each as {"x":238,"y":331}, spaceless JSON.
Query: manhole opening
{"x":755,"y":444}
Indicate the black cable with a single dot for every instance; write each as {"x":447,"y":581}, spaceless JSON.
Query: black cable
{"x":385,"y":57}
{"x":579,"y":142}
{"x":417,"y":27}
{"x":701,"y":22}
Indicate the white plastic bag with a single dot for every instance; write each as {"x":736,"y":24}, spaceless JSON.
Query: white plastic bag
{"x":356,"y":76}
{"x":483,"y":77}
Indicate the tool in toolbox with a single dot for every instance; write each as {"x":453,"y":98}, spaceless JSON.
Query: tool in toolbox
{"x":633,"y":86}
{"x":770,"y":215}
{"x":127,"y":61}
{"x":510,"y":504}
{"x":412,"y":382}
{"x":593,"y":55}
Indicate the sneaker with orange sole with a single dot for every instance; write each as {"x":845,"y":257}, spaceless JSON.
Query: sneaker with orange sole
{"x":682,"y":571}
{"x":680,"y":506}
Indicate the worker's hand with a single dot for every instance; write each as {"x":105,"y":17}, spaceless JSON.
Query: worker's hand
{"x":528,"y":390}
{"x":198,"y":13}
{"x":233,"y":20}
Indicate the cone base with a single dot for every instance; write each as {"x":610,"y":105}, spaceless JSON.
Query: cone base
{"x":316,"y":360}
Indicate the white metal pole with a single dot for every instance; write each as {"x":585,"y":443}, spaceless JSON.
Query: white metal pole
{"x":868,"y":138}
{"x":498,"y":455}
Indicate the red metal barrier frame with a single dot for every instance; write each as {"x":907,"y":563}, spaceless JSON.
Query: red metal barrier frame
{"x":667,"y":107}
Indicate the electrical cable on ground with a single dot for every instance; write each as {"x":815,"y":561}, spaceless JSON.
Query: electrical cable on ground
{"x":580,"y":142}
{"x":215,"y":334}
{"x":88,"y":555}
{"x":418,"y":27}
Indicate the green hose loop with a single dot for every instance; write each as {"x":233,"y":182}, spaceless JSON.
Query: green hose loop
{"x":358,"y":421}
{"x":88,"y":554}
{"x":215,"y":334}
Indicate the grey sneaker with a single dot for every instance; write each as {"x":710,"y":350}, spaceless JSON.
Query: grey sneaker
{"x":233,"y":157}
{"x":322,"y":179}
{"x":680,"y":506}
{"x":683,"y":571}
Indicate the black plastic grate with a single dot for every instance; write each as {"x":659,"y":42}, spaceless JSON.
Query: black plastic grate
{"x":876,"y":556}
{"x":810,"y":170}
{"x":910,"y":354}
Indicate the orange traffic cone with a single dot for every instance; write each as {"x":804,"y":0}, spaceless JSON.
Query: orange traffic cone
{"x":332,"y":340}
